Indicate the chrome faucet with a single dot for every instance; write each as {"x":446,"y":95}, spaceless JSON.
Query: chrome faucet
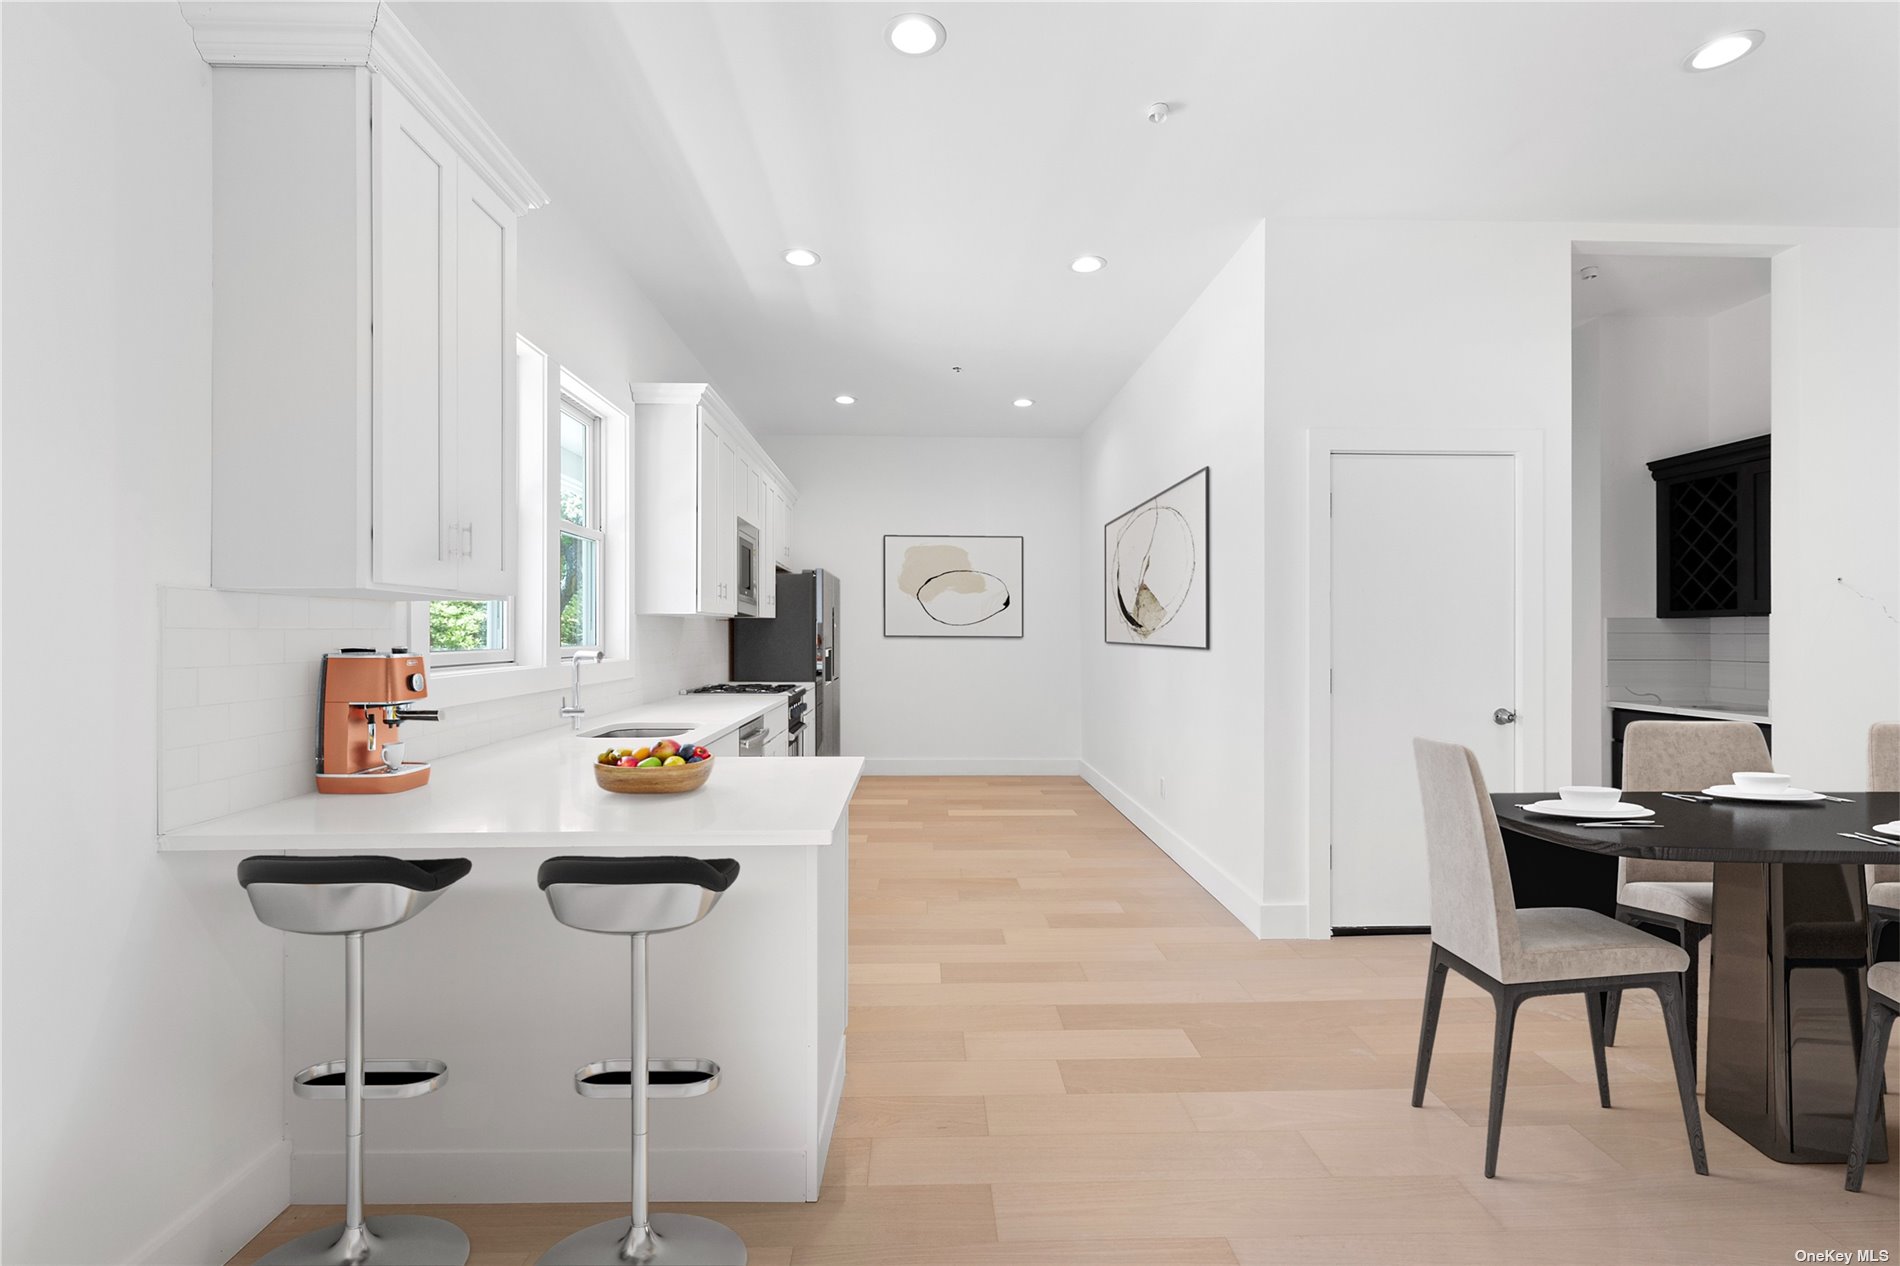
{"x":571,"y":706}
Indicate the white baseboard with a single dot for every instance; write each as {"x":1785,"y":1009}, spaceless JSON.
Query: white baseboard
{"x":216,"y":1227}
{"x":978,"y":767}
{"x":1267,"y":921}
{"x":553,"y":1177}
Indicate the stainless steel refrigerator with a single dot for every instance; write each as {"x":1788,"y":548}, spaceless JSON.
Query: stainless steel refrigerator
{"x":799,"y":644}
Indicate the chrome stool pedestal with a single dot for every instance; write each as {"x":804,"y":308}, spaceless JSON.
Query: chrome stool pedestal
{"x":635,"y":897}
{"x":348,"y":896}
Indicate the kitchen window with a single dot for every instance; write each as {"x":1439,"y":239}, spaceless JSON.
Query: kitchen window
{"x":577,"y":526}
{"x":469,"y":632}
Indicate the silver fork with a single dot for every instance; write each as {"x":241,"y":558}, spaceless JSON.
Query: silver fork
{"x":1688,"y":799}
{"x":1867,"y":839}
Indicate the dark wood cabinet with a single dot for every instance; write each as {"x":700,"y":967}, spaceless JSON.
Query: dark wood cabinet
{"x":1712,"y":531}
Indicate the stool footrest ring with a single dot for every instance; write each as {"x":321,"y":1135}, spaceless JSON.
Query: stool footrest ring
{"x":666,"y":1078}
{"x":382,"y":1079}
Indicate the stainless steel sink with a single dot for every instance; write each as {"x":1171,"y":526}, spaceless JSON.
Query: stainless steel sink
{"x":639,"y":731}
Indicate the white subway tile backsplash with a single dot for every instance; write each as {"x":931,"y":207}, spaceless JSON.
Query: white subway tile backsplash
{"x":195,"y":648}
{"x":257,"y":646}
{"x":282,"y":611}
{"x":227,"y":683}
{"x":238,"y":705}
{"x":1688,"y":661}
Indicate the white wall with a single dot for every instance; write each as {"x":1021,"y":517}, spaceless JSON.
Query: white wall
{"x":1590,"y":725}
{"x":1193,"y":719}
{"x":948,"y":705}
{"x":1739,"y":372}
{"x":1468,"y":326}
{"x":1653,"y":402}
{"x":143,"y":1004}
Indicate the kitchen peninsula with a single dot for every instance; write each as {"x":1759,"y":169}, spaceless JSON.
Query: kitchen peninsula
{"x":515,"y":1002}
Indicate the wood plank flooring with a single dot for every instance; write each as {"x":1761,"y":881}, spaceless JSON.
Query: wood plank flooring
{"x":1064,"y":1053}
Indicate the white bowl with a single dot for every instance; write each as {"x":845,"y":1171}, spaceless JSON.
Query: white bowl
{"x":1590,"y":796}
{"x":1763,"y":782}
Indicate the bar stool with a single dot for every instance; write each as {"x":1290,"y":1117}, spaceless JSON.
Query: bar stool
{"x":348,"y":896}
{"x":635,"y":897}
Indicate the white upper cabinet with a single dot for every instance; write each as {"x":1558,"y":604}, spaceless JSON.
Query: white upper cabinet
{"x":364,"y":407}
{"x":694,"y":462}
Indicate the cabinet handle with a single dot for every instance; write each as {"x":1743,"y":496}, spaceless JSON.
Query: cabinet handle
{"x":468,"y":540}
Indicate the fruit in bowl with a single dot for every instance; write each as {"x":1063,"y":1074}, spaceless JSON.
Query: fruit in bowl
{"x":663,"y":768}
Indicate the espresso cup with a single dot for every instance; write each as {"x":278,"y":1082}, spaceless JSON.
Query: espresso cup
{"x":392,"y":755}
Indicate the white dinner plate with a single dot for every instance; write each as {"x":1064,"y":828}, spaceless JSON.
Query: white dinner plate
{"x":1889,"y":828}
{"x":1793,"y":795}
{"x":1564,"y":809}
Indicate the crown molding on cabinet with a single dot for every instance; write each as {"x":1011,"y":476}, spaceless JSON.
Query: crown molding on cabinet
{"x":703,"y":395}
{"x":319,"y":33}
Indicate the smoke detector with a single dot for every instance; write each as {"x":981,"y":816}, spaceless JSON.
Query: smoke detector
{"x":1590,"y":273}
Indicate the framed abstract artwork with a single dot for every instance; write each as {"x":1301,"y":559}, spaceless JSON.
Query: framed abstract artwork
{"x":953,"y":586}
{"x":1155,"y":569}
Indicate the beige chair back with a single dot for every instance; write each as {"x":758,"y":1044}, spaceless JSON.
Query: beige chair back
{"x":1883,"y":774}
{"x":1686,"y":756}
{"x":1473,"y":912}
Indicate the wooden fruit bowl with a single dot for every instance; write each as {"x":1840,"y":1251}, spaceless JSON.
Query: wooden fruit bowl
{"x":661,"y":780}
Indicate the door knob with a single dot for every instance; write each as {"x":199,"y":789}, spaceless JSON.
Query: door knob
{"x":1504,"y":716}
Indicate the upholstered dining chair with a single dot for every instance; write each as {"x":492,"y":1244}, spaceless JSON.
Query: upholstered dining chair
{"x":1515,"y":954}
{"x":1883,"y":882}
{"x":1678,"y":897}
{"x":1883,"y":1002}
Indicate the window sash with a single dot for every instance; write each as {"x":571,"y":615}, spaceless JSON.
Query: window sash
{"x":504,"y":653}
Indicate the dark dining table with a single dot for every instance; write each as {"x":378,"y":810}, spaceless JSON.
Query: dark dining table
{"x":1786,"y":988}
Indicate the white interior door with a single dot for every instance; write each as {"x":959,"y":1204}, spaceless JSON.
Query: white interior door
{"x":1424,"y":643}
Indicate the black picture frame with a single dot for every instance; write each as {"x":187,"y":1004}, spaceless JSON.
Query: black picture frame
{"x":1205,"y":473}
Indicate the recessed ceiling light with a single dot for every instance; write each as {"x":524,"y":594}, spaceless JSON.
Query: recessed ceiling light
{"x":915,"y":34}
{"x":1724,"y":49}
{"x":847,"y":399}
{"x":1089,"y":264}
{"x":1023,"y":402}
{"x":799,"y":257}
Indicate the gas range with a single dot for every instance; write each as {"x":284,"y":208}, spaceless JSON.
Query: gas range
{"x":747,"y":688}
{"x":796,"y":693}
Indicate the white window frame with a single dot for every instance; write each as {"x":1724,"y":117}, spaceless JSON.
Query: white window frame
{"x":536,"y":661}
{"x":503,"y":654}
{"x":572,"y":404}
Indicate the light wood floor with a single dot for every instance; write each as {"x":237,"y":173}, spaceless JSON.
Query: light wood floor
{"x":1063,"y":1052}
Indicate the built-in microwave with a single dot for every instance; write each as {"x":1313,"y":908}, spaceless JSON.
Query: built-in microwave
{"x":748,"y":587}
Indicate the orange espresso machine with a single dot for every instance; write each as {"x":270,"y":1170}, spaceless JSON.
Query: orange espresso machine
{"x":363,"y":703}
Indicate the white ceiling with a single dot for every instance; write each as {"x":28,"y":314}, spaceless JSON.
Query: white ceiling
{"x":947,"y":194}
{"x":1653,"y":284}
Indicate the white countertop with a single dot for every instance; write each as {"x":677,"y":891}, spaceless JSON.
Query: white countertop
{"x":1713,"y":711}
{"x":538,"y":792}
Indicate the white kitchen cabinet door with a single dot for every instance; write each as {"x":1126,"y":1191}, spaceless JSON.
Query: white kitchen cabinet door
{"x":413,"y":309}
{"x":485,"y":388}
{"x":755,"y":498}
{"x":784,"y":531}
{"x":717,"y":533}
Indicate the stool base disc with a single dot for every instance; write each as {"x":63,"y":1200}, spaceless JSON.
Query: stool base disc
{"x":395,"y":1240}
{"x":679,"y":1239}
